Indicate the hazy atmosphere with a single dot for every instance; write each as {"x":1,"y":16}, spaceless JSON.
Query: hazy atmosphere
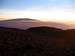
{"x":45,"y":10}
{"x":61,"y":11}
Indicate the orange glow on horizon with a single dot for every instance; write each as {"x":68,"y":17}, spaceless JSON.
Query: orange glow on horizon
{"x":65,"y":21}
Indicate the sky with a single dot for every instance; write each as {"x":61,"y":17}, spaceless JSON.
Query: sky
{"x":45,"y":10}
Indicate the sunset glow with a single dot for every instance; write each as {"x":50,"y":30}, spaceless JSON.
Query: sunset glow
{"x":45,"y":10}
{"x":53,"y":15}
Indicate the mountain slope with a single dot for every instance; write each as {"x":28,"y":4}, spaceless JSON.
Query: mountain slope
{"x":29,"y":42}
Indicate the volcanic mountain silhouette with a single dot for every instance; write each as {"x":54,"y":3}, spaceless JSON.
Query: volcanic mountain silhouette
{"x":37,"y":41}
{"x":25,"y":23}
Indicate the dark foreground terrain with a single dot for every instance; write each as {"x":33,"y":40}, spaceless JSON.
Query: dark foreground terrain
{"x":37,"y":41}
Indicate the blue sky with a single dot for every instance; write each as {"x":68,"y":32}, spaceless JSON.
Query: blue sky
{"x":58,"y":10}
{"x":25,"y":4}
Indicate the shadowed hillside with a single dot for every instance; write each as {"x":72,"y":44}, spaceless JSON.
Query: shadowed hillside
{"x":45,"y":31}
{"x":37,"y":41}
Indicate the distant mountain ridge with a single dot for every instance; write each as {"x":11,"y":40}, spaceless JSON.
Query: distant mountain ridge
{"x":25,"y":23}
{"x":20,"y":19}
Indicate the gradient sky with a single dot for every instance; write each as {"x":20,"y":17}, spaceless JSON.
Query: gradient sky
{"x":53,"y":10}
